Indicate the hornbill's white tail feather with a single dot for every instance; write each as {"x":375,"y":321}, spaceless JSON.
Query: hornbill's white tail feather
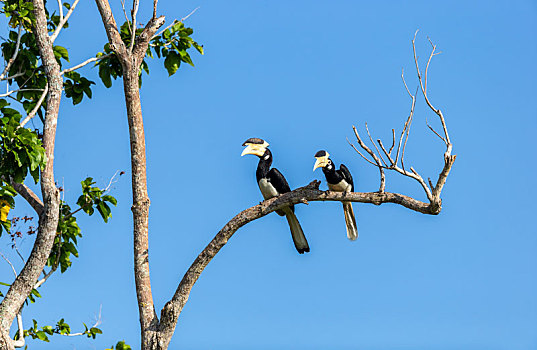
{"x":350,"y":221}
{"x":301,"y":244}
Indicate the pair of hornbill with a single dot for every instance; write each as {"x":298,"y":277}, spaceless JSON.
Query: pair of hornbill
{"x":272,"y":183}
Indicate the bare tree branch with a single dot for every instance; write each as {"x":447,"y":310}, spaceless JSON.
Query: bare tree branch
{"x":373,"y":142}
{"x":437,"y":134}
{"x":360,"y":153}
{"x":34,"y":111}
{"x":63,"y":21}
{"x":134,"y":11}
{"x":10,"y":264}
{"x":377,"y":160}
{"x":88,"y":61}
{"x":15,"y":54}
{"x":173,"y":308}
{"x":26,"y":193}
{"x":60,"y":9}
{"x":16,"y":75}
{"x":112,"y":32}
{"x":18,"y":90}
{"x":175,"y":21}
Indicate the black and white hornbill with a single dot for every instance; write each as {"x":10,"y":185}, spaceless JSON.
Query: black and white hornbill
{"x":339,"y":181}
{"x":272,"y":183}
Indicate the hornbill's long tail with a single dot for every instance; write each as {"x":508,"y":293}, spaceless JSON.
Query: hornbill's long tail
{"x":301,"y":244}
{"x":350,"y":221}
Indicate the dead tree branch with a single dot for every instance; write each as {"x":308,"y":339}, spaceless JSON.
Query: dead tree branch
{"x":432,"y":191}
{"x":63,"y":21}
{"x":309,"y":193}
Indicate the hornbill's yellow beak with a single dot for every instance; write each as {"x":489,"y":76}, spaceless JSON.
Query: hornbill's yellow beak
{"x":257,"y":149}
{"x":321,"y":162}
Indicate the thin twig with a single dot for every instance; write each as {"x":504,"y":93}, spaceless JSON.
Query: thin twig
{"x":63,"y":21}
{"x":424,"y":90}
{"x":15,"y":54}
{"x":377,"y":160}
{"x":408,"y":130}
{"x":125,"y":13}
{"x":36,"y":108}
{"x":10,"y":264}
{"x":18,"y":90}
{"x":190,"y":14}
{"x":113,"y":180}
{"x":371,"y":139}
{"x":437,"y":134}
{"x":134,"y":12}
{"x":176,"y":21}
{"x":80,"y":65}
{"x":16,"y":75}
{"x":393,"y":142}
{"x":60,"y":7}
{"x":353,"y":146}
{"x":97,"y":322}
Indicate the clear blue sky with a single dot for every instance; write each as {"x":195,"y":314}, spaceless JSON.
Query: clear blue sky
{"x":300,"y":74}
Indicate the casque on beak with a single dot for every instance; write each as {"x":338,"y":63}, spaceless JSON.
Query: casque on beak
{"x":256,"y":148}
{"x":321,"y":162}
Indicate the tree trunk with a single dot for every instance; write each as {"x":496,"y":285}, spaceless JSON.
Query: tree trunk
{"x":48,"y":220}
{"x":140,"y":206}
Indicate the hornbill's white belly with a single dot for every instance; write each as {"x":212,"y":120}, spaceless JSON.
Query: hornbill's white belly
{"x":341,"y":186}
{"x":267,"y":189}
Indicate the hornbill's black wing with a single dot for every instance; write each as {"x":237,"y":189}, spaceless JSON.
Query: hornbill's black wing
{"x":278,"y":181}
{"x":347,"y":175}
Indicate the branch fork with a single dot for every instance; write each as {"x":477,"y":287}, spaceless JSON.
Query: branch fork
{"x":398,"y":165}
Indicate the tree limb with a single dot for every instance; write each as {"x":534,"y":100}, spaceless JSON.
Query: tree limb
{"x":114,"y":38}
{"x":173,"y":308}
{"x":34,"y":110}
{"x":48,"y":222}
{"x":63,"y":21}
{"x":29,"y":195}
{"x":80,"y":65}
{"x":15,"y":54}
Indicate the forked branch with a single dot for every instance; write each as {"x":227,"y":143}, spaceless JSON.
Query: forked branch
{"x":171,"y":311}
{"x":397,"y":164}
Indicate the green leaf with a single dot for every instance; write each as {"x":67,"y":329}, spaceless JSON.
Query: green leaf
{"x":109,"y":198}
{"x":62,"y":51}
{"x":172,"y":62}
{"x":104,"y":74}
{"x":42,"y":336}
{"x":104,"y":210}
{"x":198,"y":47}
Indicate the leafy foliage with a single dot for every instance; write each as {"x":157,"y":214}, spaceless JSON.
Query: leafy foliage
{"x":21,"y":150}
{"x":76,"y":86}
{"x":65,"y":241}
{"x":19,"y":12}
{"x":93,"y":196}
{"x":120,"y":346}
{"x":172,"y":45}
{"x":61,"y":327}
{"x":27,"y":70}
{"x":68,"y":230}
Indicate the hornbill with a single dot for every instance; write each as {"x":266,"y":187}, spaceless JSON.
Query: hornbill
{"x":339,"y":181}
{"x":272,"y":183}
